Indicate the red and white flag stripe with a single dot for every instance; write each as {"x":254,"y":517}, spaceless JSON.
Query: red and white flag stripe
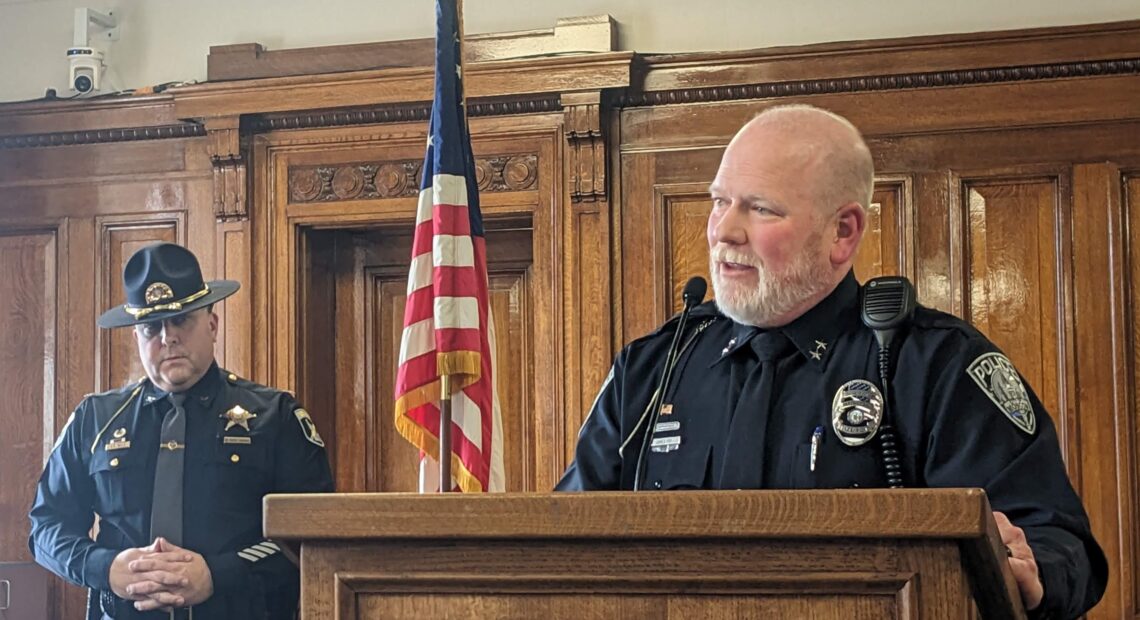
{"x":449,"y":330}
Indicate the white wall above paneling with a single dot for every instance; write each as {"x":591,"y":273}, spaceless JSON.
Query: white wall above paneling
{"x":168,"y":40}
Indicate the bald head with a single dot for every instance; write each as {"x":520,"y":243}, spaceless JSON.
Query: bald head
{"x":824,"y":146}
{"x":788,"y":212}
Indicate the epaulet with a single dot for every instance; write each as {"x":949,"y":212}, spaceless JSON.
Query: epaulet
{"x":700,"y":317}
{"x":131,"y":391}
{"x":699,"y":314}
{"x":930,"y":318}
{"x":235,"y":380}
{"x":125,"y":390}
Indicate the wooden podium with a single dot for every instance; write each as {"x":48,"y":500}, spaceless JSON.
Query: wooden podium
{"x":914,"y":553}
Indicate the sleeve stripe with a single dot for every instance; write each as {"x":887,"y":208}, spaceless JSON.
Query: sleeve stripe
{"x":248,"y":556}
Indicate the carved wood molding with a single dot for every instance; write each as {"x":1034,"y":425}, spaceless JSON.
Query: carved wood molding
{"x":228,"y":154}
{"x":102,"y":136}
{"x":483,"y":80}
{"x":544,"y":104}
{"x":374,"y":115}
{"x":870,"y":83}
{"x":416,"y":112}
{"x":401,"y":178}
{"x":586,"y":146}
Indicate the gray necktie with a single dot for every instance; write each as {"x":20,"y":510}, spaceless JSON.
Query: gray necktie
{"x":166,"y":507}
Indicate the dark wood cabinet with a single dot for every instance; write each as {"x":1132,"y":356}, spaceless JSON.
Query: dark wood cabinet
{"x":24,"y":588}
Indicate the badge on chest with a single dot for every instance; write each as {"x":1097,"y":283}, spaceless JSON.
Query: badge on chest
{"x":857,"y":412}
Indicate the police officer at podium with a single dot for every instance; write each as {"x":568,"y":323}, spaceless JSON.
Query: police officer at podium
{"x":175,"y":466}
{"x":777,"y":382}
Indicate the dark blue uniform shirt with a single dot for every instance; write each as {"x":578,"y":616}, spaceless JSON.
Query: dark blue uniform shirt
{"x":745,"y":404}
{"x":104,"y":462}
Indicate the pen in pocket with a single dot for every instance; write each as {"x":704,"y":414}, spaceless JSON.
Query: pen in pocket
{"x":816,"y":438}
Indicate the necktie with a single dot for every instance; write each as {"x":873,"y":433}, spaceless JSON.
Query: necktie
{"x":166,"y":506}
{"x":743,"y":463}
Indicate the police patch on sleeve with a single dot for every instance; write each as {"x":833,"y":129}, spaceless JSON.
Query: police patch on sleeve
{"x":995,"y":374}
{"x":308,"y":427}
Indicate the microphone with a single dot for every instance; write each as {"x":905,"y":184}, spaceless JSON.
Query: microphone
{"x":694,"y":292}
{"x":692,"y":295}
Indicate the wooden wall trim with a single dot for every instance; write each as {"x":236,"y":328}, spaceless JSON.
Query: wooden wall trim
{"x":508,"y":172}
{"x":347,"y":117}
{"x":376,"y":115}
{"x":244,"y":61}
{"x":86,"y":114}
{"x":507,"y":78}
{"x":102,"y":136}
{"x":872,"y":83}
{"x":959,"y":52}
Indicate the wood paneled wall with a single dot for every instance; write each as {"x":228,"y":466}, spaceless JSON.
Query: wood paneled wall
{"x":69,"y":219}
{"x":1008,"y":189}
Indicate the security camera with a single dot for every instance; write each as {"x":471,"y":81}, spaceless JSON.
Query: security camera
{"x":86,"y":68}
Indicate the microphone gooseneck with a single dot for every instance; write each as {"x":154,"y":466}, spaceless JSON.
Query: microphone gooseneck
{"x":691,"y":296}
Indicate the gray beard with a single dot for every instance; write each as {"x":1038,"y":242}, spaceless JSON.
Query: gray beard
{"x":775,"y":294}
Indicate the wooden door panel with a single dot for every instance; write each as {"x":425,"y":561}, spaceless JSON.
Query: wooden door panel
{"x":1128,"y":425}
{"x":119,"y":238}
{"x":684,"y":215}
{"x":27,"y":377}
{"x":379,"y":267}
{"x":1012,"y":256}
{"x":883,"y":250}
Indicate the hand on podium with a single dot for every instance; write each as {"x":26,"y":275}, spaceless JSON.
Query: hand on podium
{"x":1021,"y":561}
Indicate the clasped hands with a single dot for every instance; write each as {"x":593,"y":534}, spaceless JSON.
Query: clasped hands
{"x":161,"y":576}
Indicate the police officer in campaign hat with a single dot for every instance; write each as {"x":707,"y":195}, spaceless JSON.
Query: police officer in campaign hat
{"x":175,"y":465}
{"x":779,"y":383}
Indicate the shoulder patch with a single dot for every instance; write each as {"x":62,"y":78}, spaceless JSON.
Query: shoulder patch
{"x":996,"y":376}
{"x":308,"y":427}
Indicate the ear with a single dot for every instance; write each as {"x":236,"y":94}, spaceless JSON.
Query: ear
{"x":850,"y":222}
{"x":214,"y":325}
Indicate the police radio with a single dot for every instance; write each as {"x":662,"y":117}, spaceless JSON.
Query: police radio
{"x":888,"y":305}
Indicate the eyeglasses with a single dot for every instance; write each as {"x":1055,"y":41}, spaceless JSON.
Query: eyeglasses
{"x":152,"y":329}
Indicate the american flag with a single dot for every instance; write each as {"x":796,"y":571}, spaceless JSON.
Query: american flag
{"x":447,"y":320}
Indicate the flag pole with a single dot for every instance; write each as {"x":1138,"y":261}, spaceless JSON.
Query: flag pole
{"x":459,"y":55}
{"x":445,"y":434}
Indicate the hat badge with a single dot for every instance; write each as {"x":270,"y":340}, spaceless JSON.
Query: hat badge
{"x":157,"y":292}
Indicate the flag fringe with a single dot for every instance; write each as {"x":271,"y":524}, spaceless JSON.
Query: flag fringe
{"x":422,"y":438}
{"x":468,"y":365}
{"x":417,"y":397}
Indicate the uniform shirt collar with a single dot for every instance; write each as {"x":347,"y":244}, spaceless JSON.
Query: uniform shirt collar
{"x":202,"y":392}
{"x":812,"y":333}
{"x":815,"y":332}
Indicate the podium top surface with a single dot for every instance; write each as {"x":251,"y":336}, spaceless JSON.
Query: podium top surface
{"x":857,"y":513}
